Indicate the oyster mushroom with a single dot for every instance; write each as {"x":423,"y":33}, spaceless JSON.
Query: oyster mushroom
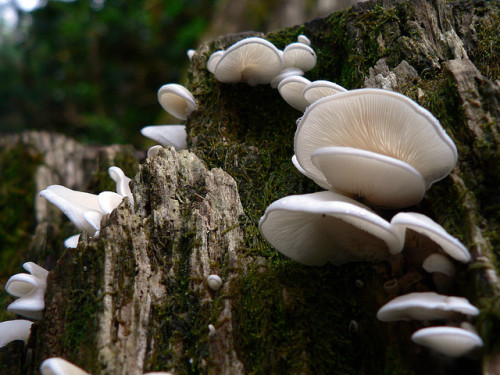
{"x":291,"y":89}
{"x":450,"y":341}
{"x":167,"y":135}
{"x":176,"y":100}
{"x":30,"y":288}
{"x":425,"y":306}
{"x":427,"y":227}
{"x":252,"y":60}
{"x":377,"y":121}
{"x":12,"y":330}
{"x":122,"y":182}
{"x":322,"y":227}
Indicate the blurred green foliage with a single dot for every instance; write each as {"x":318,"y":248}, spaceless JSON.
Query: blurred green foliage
{"x":92,"y":71}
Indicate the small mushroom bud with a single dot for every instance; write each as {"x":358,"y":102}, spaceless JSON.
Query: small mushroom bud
{"x":214,"y":282}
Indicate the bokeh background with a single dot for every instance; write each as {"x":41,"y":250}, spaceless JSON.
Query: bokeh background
{"x":91,"y":69}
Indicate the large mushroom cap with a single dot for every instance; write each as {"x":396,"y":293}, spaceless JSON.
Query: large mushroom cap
{"x":320,"y":227}
{"x":319,"y":89}
{"x":167,"y":135}
{"x":379,"y":121}
{"x":427,"y":227}
{"x":380,"y":180}
{"x":176,"y":100}
{"x":291,"y":90}
{"x":425,"y":306}
{"x":450,"y":341}
{"x":252,"y":60}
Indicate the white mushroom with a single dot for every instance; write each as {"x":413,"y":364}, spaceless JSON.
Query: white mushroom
{"x":122,"y":182}
{"x":167,"y":135}
{"x":291,"y":89}
{"x":252,"y":60}
{"x":153,"y":151}
{"x":30,"y":288}
{"x":12,"y":330}
{"x":299,"y":55}
{"x":109,"y":200}
{"x":425,"y":306}
{"x":190,"y":53}
{"x":59,"y":366}
{"x":379,"y":121}
{"x":214,"y":282}
{"x":380,"y":180}
{"x":319,"y":89}
{"x":94,"y":219}
{"x":439,"y":263}
{"x":450,"y":341}
{"x":303,"y":39}
{"x":320,"y":227}
{"x":72,"y":241}
{"x":176,"y":100}
{"x":73,"y":204}
{"x":425,"y":226}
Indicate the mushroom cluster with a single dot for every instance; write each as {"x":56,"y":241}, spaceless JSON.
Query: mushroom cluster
{"x":30,"y":288}
{"x":86,"y":210}
{"x":367,"y":148}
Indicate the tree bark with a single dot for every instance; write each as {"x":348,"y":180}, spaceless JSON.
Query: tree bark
{"x":135,"y":298}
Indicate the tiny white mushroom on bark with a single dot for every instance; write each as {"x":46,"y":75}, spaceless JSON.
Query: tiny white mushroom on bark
{"x":291,"y":89}
{"x":439,"y":263}
{"x":303,"y":39}
{"x":176,"y":100}
{"x":12,"y":330}
{"x":211,"y":330}
{"x":153,"y":151}
{"x":425,"y":306}
{"x":72,"y":241}
{"x":167,"y":135}
{"x":214,"y":282}
{"x":427,"y":227}
{"x":319,"y":89}
{"x":59,"y":366}
{"x":190,"y":53}
{"x":252,"y":60}
{"x":450,"y":341}
{"x":316,"y":228}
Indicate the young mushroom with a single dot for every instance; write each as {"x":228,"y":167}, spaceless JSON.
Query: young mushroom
{"x":322,"y":227}
{"x":214,"y":282}
{"x":176,"y":100}
{"x":122,"y":182}
{"x":12,"y":330}
{"x":30,"y":288}
{"x":451,"y":341}
{"x":167,"y":135}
